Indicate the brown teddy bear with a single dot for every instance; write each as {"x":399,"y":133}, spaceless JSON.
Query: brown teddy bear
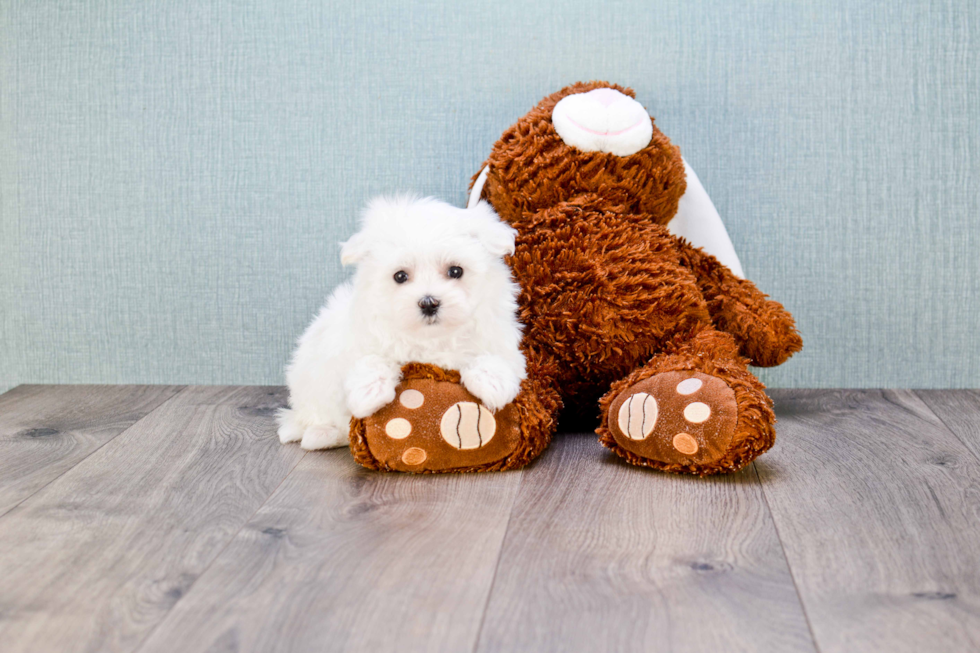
{"x":621,"y":316}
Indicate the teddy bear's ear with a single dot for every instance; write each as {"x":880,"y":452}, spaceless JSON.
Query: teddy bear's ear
{"x":698,"y":222}
{"x":495,"y":235}
{"x":354,"y":249}
{"x":478,"y":185}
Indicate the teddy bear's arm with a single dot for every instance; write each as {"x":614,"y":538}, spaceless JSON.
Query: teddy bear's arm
{"x":765,"y":331}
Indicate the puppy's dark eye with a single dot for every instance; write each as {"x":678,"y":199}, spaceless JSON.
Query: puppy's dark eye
{"x":455,"y":272}
{"x":401,"y":276}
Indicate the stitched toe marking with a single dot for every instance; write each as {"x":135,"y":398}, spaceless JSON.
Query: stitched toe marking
{"x":638,"y":416}
{"x":467,"y":425}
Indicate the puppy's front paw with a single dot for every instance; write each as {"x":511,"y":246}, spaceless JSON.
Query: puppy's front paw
{"x":370,"y":385}
{"x":365,"y":400}
{"x":492,"y":381}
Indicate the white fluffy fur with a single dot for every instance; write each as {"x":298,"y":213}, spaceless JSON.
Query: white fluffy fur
{"x":349,"y":360}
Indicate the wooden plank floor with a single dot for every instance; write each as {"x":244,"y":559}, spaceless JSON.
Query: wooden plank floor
{"x":142,"y":518}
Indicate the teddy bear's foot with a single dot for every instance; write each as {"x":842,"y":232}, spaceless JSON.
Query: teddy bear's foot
{"x":680,"y":418}
{"x":436,"y":425}
{"x":697,"y":410}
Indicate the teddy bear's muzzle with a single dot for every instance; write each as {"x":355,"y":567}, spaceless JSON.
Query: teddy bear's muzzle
{"x":603,"y":120}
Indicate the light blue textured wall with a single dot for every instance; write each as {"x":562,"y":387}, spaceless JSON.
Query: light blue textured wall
{"x":174,"y":178}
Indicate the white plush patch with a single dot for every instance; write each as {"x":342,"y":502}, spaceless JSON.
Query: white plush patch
{"x":481,"y":180}
{"x":411,"y":399}
{"x":398,"y":428}
{"x":698,"y":222}
{"x":603,"y":120}
{"x":688,"y":386}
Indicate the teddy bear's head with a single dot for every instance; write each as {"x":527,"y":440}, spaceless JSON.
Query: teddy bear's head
{"x":587,"y":138}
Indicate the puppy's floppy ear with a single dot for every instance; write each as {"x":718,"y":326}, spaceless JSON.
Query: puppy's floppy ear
{"x":358,"y":246}
{"x":354,"y":249}
{"x":497,"y":236}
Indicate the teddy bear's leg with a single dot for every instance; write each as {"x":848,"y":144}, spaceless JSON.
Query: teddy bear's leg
{"x":764,"y":331}
{"x":436,"y":425}
{"x":696,"y":410}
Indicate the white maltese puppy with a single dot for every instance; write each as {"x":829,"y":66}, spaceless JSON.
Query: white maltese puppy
{"x":431,"y":286}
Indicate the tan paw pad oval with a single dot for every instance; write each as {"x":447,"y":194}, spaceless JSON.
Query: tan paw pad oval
{"x":697,"y":412}
{"x":685,"y":444}
{"x":689,"y":386}
{"x":414,"y":456}
{"x":411,"y":399}
{"x":398,"y":428}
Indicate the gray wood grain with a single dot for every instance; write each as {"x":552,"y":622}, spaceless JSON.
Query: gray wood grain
{"x":959,"y":410}
{"x":95,"y":560}
{"x":878,"y":509}
{"x":342,"y":558}
{"x":46,"y":430}
{"x":604,"y":556}
{"x":181,"y":524}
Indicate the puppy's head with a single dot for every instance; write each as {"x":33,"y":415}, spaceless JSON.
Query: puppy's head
{"x":424,"y":266}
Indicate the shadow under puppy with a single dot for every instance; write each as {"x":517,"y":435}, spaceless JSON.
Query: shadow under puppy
{"x":430,"y":286}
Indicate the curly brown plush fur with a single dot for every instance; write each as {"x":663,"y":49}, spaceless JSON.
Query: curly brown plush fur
{"x":609,"y":296}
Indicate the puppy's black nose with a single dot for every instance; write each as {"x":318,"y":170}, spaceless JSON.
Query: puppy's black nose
{"x":429,"y":305}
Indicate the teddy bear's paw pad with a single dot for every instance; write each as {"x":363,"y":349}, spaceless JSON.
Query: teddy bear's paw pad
{"x":439,"y":426}
{"x":675,"y":417}
{"x":467,"y":425}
